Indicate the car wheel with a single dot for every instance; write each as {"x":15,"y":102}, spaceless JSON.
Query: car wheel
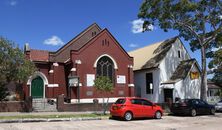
{"x":128,"y":116}
{"x":158,"y":115}
{"x":193,"y":112}
{"x":212,"y":111}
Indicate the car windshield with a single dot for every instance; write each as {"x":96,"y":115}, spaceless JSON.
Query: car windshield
{"x":183,"y":101}
{"x":120,"y":101}
{"x":220,"y":101}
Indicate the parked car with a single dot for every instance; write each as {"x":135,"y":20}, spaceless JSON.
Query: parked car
{"x":192,"y":107}
{"x":218,"y":106}
{"x":132,"y":107}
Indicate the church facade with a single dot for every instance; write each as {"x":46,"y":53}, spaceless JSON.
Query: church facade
{"x":72,"y":69}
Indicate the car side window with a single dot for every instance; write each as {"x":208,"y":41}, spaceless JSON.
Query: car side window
{"x":146,"y":103}
{"x":195,"y":102}
{"x":202,"y":102}
{"x":136,"y":101}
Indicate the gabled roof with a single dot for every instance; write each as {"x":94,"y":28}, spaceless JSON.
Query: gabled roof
{"x":79,"y":44}
{"x":182,"y":71}
{"x":151,"y":55}
{"x":76,"y":44}
{"x":105,"y":30}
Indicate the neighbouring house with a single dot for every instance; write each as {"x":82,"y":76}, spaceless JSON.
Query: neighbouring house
{"x":72,"y":69}
{"x":213,"y":92}
{"x":164,"y":71}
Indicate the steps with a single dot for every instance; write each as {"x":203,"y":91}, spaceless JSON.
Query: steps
{"x":42,"y":105}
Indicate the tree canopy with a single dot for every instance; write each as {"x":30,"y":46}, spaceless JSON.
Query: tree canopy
{"x":14,"y":67}
{"x":197,"y":21}
{"x":216,"y":66}
{"x":104,"y":85}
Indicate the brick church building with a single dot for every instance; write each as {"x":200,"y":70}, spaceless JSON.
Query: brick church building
{"x":72,"y":69}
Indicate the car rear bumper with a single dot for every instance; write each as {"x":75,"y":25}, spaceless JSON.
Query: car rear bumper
{"x":119,"y":113}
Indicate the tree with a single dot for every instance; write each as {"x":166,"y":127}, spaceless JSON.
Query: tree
{"x":14,"y":67}
{"x":197,"y":21}
{"x":216,"y":66}
{"x":105,"y":86}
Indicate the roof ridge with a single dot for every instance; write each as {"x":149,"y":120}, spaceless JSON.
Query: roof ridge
{"x":145,"y":46}
{"x":77,"y":36}
{"x":38,"y":50}
{"x":160,"y":42}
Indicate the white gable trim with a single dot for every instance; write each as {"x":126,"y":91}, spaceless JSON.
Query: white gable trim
{"x":114,"y":62}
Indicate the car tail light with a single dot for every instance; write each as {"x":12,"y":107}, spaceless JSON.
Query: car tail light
{"x":122,"y":106}
{"x":183,"y":104}
{"x":118,"y":107}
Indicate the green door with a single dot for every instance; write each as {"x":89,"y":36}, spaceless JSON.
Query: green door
{"x":37,"y":88}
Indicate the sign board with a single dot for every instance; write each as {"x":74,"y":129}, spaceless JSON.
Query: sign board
{"x":121,"y":79}
{"x":90,"y":79}
{"x":194,"y":75}
{"x":73,"y":81}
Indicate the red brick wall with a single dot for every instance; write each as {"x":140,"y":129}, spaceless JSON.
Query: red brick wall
{"x":77,"y":107}
{"x":88,"y":56}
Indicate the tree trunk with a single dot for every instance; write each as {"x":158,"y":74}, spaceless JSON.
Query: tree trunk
{"x":203,"y":92}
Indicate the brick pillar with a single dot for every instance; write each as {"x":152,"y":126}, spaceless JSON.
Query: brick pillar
{"x":27,"y":107}
{"x":60,"y":103}
{"x":131,"y":91}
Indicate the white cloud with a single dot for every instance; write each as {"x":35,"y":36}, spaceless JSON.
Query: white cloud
{"x":13,"y":3}
{"x":132,"y":45}
{"x":54,"y":41}
{"x":216,"y":48}
{"x":138,"y":26}
{"x":220,"y":17}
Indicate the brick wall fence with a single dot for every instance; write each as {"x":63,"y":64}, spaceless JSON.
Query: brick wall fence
{"x":78,"y":107}
{"x":16,"y":106}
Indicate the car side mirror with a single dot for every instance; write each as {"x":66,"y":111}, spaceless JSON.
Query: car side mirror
{"x":154,"y":104}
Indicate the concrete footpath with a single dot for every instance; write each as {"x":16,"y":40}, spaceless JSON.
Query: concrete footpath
{"x":24,"y":120}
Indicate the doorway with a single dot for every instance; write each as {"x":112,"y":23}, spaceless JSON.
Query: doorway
{"x":37,"y":87}
{"x":168,"y":95}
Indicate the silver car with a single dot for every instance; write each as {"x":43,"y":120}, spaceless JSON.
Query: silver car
{"x":218,"y":106}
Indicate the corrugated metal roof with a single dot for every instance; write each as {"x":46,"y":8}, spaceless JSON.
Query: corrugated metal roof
{"x":150,"y":56}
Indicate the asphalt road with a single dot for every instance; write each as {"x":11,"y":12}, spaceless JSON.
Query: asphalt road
{"x":207,"y":122}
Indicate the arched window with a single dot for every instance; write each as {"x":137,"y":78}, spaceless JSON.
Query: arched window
{"x":105,"y":67}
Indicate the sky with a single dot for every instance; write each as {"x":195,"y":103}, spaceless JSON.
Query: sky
{"x":49,"y":24}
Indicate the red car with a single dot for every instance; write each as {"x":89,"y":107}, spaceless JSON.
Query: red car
{"x":132,"y":107}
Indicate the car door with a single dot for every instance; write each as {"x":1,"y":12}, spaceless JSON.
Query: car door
{"x":148,"y":110}
{"x":200,"y":106}
{"x":137,"y":107}
{"x":205,"y":108}
{"x":196,"y":106}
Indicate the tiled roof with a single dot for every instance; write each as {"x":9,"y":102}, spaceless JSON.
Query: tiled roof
{"x":63,"y":54}
{"x":39,"y":55}
{"x":151,"y":55}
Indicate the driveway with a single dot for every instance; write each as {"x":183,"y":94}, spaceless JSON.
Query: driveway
{"x":207,"y":122}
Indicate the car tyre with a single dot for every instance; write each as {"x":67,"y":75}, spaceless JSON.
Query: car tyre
{"x":128,"y":116}
{"x":193,"y":112}
{"x":158,"y":115}
{"x":212,"y":111}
